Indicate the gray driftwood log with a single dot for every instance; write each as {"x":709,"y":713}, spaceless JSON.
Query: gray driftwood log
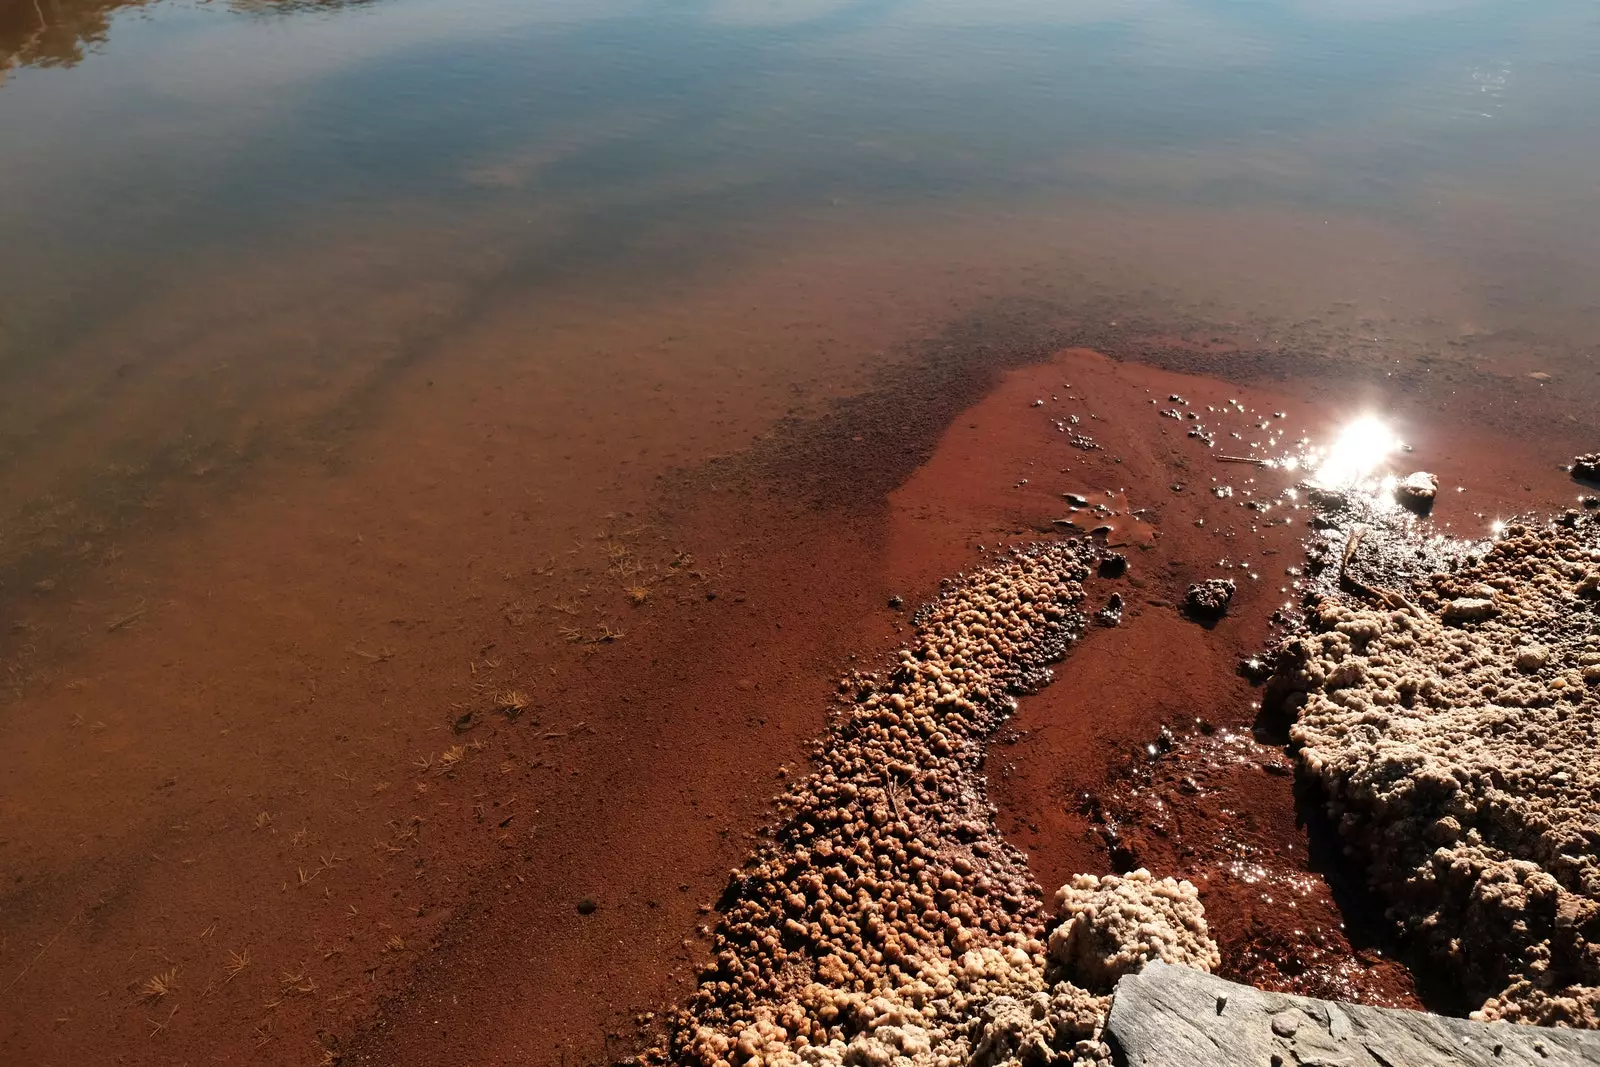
{"x":1171,"y":1016}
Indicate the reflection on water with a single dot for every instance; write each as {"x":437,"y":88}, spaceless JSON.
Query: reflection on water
{"x":225,"y":202}
{"x":1356,"y":454}
{"x":216,"y":231}
{"x":58,"y":33}
{"x":290,"y":7}
{"x":54,"y":33}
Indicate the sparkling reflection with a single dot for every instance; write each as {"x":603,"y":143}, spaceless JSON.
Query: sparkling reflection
{"x":1356,"y":455}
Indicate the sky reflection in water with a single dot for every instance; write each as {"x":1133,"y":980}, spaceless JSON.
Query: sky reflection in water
{"x":139,"y":135}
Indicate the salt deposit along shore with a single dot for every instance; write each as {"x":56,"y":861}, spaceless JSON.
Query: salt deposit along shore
{"x":1442,"y":693}
{"x":887,"y":920}
{"x":1445,"y":698}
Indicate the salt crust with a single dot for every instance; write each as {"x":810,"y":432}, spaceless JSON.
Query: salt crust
{"x":1456,"y":747}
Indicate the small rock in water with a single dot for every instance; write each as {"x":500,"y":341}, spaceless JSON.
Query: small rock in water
{"x":1326,"y":498}
{"x":586,"y":906}
{"x":1587,"y":466}
{"x":1209,"y":599}
{"x":896,"y":603}
{"x":1416,"y":491}
{"x":1113,"y":565}
{"x":1076,"y":500}
{"x":1256,"y":669}
{"x":1469,"y":609}
{"x":1111,"y":614}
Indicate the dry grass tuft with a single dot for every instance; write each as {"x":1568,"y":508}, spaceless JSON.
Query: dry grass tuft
{"x":511,"y":702}
{"x":159,"y":985}
{"x":237,"y":962}
{"x":292,"y":983}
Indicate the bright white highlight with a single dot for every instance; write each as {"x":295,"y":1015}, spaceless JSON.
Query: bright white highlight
{"x":1360,"y":449}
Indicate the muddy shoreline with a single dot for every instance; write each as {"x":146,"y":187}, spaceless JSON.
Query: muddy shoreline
{"x":656,"y":752}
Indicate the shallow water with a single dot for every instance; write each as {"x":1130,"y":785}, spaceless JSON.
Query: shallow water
{"x":352,"y":353}
{"x":1390,"y":171}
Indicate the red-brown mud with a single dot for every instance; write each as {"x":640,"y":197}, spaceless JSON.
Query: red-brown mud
{"x":1146,"y":750}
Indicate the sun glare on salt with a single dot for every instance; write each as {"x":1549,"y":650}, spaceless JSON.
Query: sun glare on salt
{"x":1356,"y":454}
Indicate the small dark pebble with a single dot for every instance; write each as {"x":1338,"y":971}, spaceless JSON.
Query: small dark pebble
{"x":896,"y":603}
{"x":586,"y":906}
{"x":1327,"y":498}
{"x":1113,"y":565}
{"x":1590,"y":502}
{"x":1587,"y":466}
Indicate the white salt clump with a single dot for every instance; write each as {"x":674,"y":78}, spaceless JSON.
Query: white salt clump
{"x":1417,"y":491}
{"x":1456,"y":748}
{"x":1532,"y":658}
{"x":1468,"y":609}
{"x":1115,"y":925}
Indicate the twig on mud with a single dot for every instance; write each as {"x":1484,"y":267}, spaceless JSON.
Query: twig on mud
{"x":42,"y":951}
{"x":1251,"y":460}
{"x":1350,"y":583}
{"x":157,"y":1027}
{"x":122,"y":620}
{"x":893,"y":799}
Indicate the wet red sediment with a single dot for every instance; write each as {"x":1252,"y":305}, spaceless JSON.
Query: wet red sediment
{"x":285,"y":662}
{"x":1085,"y":778}
{"x":280,"y":770}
